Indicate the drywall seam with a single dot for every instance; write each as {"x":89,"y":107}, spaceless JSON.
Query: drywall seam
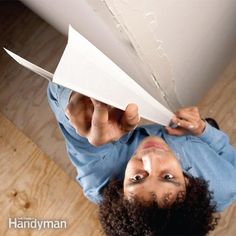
{"x":132,"y":63}
{"x":134,"y":17}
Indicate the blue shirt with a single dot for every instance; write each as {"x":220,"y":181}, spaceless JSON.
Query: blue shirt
{"x":209,"y":155}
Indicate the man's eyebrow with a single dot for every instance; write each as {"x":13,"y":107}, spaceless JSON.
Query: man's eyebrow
{"x":177,"y":184}
{"x":134,"y":183}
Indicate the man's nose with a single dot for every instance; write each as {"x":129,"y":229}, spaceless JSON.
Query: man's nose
{"x":150,"y":162}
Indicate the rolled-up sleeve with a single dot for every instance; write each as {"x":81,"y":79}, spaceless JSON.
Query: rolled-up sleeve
{"x":59,"y":95}
{"x":219,"y":141}
{"x":64,"y":97}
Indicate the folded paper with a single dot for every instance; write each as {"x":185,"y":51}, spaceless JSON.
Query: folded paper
{"x":47,"y":75}
{"x":85,"y":69}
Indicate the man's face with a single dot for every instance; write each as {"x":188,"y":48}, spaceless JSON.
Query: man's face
{"x":154,"y":171}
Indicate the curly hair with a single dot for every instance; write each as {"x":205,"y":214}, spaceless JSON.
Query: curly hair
{"x":191,"y":214}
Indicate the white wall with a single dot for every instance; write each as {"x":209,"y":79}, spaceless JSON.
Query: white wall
{"x":174,"y":48}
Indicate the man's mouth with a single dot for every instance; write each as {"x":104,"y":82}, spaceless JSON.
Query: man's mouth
{"x":153,"y":144}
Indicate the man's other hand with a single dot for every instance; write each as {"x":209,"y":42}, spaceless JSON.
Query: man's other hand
{"x":187,"y":121}
{"x":98,"y":122}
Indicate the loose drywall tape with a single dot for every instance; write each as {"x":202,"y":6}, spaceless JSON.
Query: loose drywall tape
{"x":85,"y":69}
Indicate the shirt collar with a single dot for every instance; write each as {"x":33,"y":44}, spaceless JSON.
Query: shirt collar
{"x":125,"y":138}
{"x":146,"y":130}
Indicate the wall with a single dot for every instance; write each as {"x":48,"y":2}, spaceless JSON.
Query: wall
{"x":174,"y":48}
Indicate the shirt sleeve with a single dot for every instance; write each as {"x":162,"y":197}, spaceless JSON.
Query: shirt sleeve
{"x":218,"y":141}
{"x":58,"y":97}
{"x":64,"y":97}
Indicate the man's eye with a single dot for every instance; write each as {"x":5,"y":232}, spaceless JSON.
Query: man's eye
{"x":168,"y":177}
{"x":137,"y":178}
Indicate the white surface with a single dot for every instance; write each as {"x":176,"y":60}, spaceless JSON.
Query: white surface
{"x":85,"y":69}
{"x":84,"y":18}
{"x":198,"y":38}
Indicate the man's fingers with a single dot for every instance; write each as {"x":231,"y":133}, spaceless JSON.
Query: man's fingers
{"x":99,"y":123}
{"x":81,"y":126}
{"x":176,"y":131}
{"x":188,"y":114}
{"x":184,"y":115}
{"x":185,"y":124}
{"x":130,"y":118}
{"x":70,"y":112}
{"x":74,"y":97}
{"x":79,"y":112}
{"x":73,"y":104}
{"x":100,"y":114}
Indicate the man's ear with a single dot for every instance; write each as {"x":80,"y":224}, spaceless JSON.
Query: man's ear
{"x":186,"y":179}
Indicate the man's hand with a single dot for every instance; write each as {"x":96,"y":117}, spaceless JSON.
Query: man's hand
{"x":98,"y":122}
{"x":188,"y":121}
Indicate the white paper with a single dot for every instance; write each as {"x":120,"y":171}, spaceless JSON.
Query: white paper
{"x":85,"y":69}
{"x":38,"y":70}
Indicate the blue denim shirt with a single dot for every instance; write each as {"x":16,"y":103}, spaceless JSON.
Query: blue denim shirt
{"x":209,"y":155}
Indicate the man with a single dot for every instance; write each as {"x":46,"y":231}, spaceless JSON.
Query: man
{"x":147,"y":180}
